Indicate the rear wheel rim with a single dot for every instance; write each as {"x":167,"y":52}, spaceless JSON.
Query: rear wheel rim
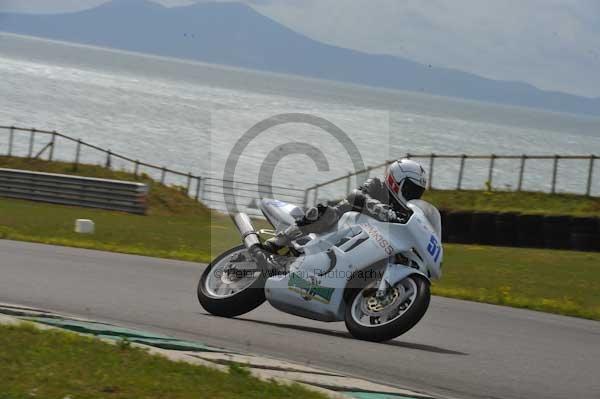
{"x":371,"y":312}
{"x":231,"y":275}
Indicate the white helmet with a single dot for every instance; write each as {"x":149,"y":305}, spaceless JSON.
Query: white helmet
{"x":406,"y":180}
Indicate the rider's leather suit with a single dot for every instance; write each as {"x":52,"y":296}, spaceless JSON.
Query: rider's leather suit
{"x":371,"y":198}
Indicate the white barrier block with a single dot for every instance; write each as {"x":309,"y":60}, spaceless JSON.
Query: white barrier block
{"x":84,"y":226}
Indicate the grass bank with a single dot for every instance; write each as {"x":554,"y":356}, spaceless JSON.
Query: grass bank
{"x":56,"y":364}
{"x":177,"y":227}
{"x":521,"y":202}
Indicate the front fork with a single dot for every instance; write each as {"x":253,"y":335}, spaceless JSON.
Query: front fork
{"x":394,"y":273}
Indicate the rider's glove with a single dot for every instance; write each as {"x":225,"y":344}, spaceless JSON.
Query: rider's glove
{"x":312,"y":214}
{"x":392,"y":216}
{"x":380,"y":211}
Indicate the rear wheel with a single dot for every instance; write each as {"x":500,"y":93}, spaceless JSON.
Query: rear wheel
{"x":232,"y":284}
{"x":376,"y":319}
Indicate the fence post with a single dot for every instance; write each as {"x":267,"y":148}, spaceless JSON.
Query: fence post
{"x":136,"y":168}
{"x":461,"y":171}
{"x":162,"y":175}
{"x":491,"y":172}
{"x":77,"y":151}
{"x":51,"y":154}
{"x":31,"y":140}
{"x":316,"y":195}
{"x":306,"y":191}
{"x":198,"y":182}
{"x":10,"y":140}
{"x":348,"y":183}
{"x":203,"y":192}
{"x":108,"y":154}
{"x":590,"y":174}
{"x":554,"y":172}
{"x":431,"y":162}
{"x":189,"y":183}
{"x":521,"y":171}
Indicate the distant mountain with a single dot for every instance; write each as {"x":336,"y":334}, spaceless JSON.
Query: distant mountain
{"x":234,"y":34}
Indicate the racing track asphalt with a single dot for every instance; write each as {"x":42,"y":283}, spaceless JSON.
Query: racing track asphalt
{"x":460,"y":349}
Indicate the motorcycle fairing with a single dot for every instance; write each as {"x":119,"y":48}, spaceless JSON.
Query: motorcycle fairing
{"x":314,"y":289}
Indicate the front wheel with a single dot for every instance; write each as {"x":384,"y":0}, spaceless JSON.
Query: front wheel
{"x":376,"y":319}
{"x":232,"y":284}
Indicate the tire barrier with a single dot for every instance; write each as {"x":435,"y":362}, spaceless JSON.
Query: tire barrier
{"x":506,"y":229}
{"x":443,"y":216}
{"x":483,"y":227}
{"x":459,"y":227}
{"x":529,"y":231}
{"x":521,"y":230}
{"x":556,"y":231}
{"x":584,"y":234}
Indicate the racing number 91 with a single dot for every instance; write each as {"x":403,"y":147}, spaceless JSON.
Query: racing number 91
{"x":434,"y":248}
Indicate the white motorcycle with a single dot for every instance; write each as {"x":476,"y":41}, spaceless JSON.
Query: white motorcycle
{"x":375,"y":276}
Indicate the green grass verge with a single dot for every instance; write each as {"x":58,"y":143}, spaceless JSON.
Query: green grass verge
{"x":564,"y":282}
{"x":521,"y":202}
{"x":193,"y":237}
{"x":56,"y":364}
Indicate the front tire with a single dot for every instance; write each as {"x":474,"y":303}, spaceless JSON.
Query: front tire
{"x":217,"y":294}
{"x":365,"y":322}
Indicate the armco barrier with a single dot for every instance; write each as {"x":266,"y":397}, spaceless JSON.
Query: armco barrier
{"x":74,"y":190}
{"x":522,"y":230}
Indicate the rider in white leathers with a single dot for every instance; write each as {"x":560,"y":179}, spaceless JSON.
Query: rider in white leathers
{"x":385,"y":200}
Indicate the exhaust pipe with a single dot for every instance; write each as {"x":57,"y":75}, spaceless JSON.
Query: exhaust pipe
{"x":252,"y":242}
{"x":244,"y":225}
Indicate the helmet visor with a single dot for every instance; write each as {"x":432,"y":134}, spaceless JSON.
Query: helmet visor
{"x":412,"y":191}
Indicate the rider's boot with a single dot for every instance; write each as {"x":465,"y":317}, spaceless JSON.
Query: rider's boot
{"x":283,"y":238}
{"x":267,"y":261}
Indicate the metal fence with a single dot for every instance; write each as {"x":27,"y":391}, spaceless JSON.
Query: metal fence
{"x":43,"y":144}
{"x":526,"y":172}
{"x":443,"y":177}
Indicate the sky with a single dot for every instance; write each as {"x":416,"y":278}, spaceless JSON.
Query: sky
{"x":552,"y":44}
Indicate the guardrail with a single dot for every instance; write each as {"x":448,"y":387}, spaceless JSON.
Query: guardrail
{"x":74,"y":190}
{"x":587,"y":164}
{"x":37,"y":144}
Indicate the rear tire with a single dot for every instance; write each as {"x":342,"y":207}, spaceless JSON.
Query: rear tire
{"x":397,"y":327}
{"x":237,"y":304}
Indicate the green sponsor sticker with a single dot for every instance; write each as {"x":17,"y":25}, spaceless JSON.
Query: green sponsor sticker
{"x":310,"y":289}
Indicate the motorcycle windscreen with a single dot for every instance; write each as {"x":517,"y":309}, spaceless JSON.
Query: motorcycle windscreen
{"x":279,"y":213}
{"x":432,"y":215}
